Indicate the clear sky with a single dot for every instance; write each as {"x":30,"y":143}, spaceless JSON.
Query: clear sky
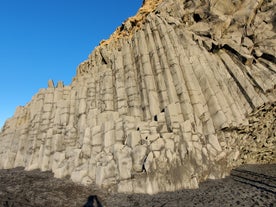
{"x":48,"y":39}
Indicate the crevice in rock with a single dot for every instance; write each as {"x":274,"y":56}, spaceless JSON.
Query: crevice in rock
{"x":269,"y":57}
{"x":243,"y":91}
{"x":274,"y":22}
{"x":197,"y":17}
{"x":255,"y":82}
{"x":236,"y":53}
{"x":263,"y":62}
{"x":241,"y":61}
{"x":215,"y":48}
{"x":104,"y":61}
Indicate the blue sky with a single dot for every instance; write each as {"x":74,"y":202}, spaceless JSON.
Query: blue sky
{"x":47,"y":39}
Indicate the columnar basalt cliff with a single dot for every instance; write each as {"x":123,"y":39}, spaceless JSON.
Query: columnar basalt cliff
{"x":182,"y":92}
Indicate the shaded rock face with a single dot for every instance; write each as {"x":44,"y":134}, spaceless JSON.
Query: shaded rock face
{"x":182,"y":92}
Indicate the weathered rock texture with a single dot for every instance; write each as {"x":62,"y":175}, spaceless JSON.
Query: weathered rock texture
{"x":182,"y":92}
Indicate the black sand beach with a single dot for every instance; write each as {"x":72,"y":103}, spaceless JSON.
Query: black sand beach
{"x":248,"y":185}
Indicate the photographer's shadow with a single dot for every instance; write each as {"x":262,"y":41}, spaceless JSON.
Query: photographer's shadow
{"x":93,"y":201}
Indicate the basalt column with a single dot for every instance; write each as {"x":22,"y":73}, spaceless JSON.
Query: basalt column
{"x":182,"y":92}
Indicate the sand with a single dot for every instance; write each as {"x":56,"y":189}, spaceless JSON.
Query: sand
{"x":248,"y":185}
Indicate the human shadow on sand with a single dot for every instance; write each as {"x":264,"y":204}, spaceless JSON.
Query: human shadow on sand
{"x":93,"y":201}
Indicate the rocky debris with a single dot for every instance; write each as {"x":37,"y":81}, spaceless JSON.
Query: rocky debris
{"x":165,"y":103}
{"x":257,"y":140}
{"x":35,"y":188}
{"x":132,"y":24}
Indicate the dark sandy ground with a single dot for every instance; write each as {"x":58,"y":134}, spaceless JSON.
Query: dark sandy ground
{"x":249,"y":185}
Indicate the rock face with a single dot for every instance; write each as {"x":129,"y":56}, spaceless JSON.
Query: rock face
{"x":181,"y":92}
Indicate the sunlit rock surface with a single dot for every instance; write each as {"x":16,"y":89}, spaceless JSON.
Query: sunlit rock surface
{"x":182,"y":92}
